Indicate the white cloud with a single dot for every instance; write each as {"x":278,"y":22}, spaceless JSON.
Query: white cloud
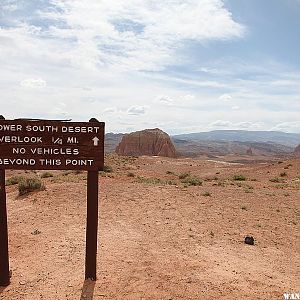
{"x":225,"y":97}
{"x":220,"y":124}
{"x":136,"y":110}
{"x":110,"y":59}
{"x":287,"y":126}
{"x":110,"y":110}
{"x":138,"y":35}
{"x":10,"y":7}
{"x":33,"y":83}
{"x":284,"y":83}
{"x":188,"y":97}
{"x":209,"y":70}
{"x":235,"y":107}
{"x":163,"y":99}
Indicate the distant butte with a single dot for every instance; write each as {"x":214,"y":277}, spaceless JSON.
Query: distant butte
{"x":153,"y":142}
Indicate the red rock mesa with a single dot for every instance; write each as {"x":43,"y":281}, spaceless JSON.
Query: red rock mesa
{"x":147,"y":142}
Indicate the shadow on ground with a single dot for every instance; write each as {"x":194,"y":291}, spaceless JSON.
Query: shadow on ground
{"x":2,"y":288}
{"x":87,"y":290}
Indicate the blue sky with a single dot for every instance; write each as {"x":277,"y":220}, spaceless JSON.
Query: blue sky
{"x":182,"y":66}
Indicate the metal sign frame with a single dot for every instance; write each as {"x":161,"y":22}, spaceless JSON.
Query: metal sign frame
{"x":69,"y":146}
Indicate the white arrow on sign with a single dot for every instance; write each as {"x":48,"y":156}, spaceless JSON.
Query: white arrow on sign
{"x":96,"y":140}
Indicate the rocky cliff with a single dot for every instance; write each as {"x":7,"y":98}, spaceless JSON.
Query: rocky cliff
{"x":147,"y":142}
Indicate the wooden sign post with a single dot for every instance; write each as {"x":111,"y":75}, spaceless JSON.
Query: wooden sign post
{"x":52,"y":145}
{"x":4,"y":261}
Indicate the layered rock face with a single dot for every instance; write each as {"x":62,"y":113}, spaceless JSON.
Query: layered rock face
{"x":297,"y":150}
{"x":147,"y":142}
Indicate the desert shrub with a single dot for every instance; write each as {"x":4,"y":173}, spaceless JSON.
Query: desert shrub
{"x":281,"y":186}
{"x":220,"y":183}
{"x":36,"y":232}
{"x":141,"y":179}
{"x":283,"y":174}
{"x":130,"y":174}
{"x":170,"y":173}
{"x":171,"y":182}
{"x":239,"y":177}
{"x":107,"y":169}
{"x":277,"y":180}
{"x":191,"y":180}
{"x":105,"y":174}
{"x":206,"y":194}
{"x":46,"y":175}
{"x":211,"y":178}
{"x":30,"y":184}
{"x":183,"y":175}
{"x":13,"y":180}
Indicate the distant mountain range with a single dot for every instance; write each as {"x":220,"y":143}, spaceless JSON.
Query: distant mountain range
{"x":278,"y":137}
{"x":224,"y":142}
{"x":194,"y":148}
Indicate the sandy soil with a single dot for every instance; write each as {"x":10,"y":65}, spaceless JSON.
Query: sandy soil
{"x":160,"y":239}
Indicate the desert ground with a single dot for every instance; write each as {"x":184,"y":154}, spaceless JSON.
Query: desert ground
{"x":168,"y":229}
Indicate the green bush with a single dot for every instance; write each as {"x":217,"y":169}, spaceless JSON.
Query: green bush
{"x":141,"y":179}
{"x":171,"y":182}
{"x":107,"y":169}
{"x":13,"y":180}
{"x":27,"y":185}
{"x":192,"y":180}
{"x":183,"y":175}
{"x":277,"y":180}
{"x":239,"y":177}
{"x":220,"y":183}
{"x":46,"y":175}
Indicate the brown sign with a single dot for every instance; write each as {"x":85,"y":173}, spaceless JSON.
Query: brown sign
{"x":51,"y":145}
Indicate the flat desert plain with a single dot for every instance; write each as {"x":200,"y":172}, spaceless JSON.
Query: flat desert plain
{"x":168,"y":229}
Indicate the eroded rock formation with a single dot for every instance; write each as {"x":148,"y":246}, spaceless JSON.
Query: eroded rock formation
{"x":147,"y":142}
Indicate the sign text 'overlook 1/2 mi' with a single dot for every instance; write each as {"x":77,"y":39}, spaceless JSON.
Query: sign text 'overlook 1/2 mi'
{"x":51,"y":145}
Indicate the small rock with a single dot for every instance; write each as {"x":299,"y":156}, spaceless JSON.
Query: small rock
{"x":249,"y":240}
{"x":22,"y":282}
